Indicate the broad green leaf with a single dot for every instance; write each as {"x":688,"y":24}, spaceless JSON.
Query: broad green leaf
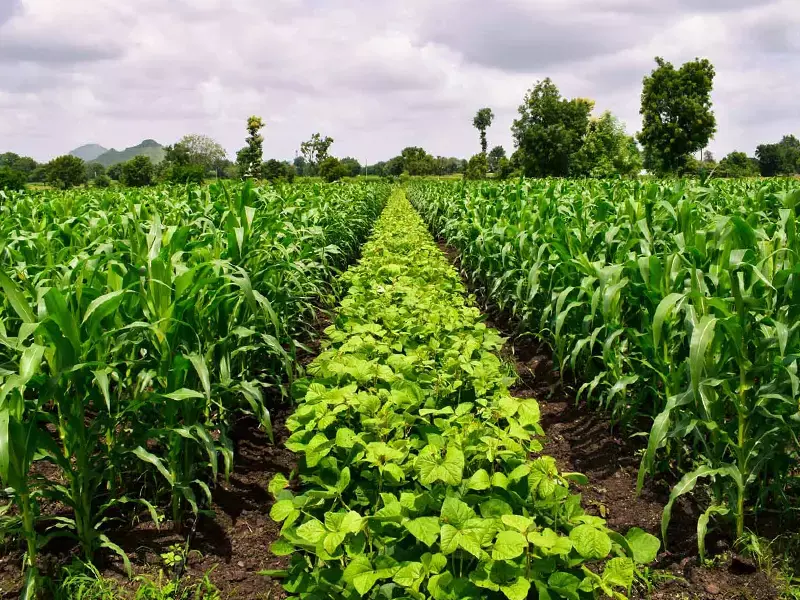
{"x":590,"y":542}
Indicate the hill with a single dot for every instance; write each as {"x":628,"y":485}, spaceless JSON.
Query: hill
{"x":89,"y":152}
{"x":149,"y":148}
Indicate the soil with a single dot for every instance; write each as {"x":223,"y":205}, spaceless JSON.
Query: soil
{"x":583,"y":440}
{"x":232,"y":543}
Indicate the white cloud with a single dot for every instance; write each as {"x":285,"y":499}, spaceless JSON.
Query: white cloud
{"x":376,"y":76}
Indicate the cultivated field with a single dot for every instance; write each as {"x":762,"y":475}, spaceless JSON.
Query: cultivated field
{"x":160,"y":369}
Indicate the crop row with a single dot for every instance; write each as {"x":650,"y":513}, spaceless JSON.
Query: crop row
{"x":136,"y":325}
{"x":675,"y":302}
{"x":419,"y":473}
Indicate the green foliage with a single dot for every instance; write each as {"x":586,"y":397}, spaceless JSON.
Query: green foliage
{"x":65,"y":172}
{"x":115,"y":172}
{"x":250,"y":157}
{"x":497,"y":153}
{"x":275,"y":170}
{"x":416,"y":161}
{"x":672,"y":302}
{"x":352,"y":165}
{"x":136,"y":327}
{"x":188,"y":173}
{"x":549,"y":130}
{"x":102,"y":181}
{"x":331,"y":169}
{"x":737,"y":164}
{"x":94,"y":170}
{"x":477,"y":167}
{"x":607,"y":150}
{"x":782,"y":158}
{"x":676,"y":113}
{"x":417,"y":476}
{"x":315,"y":151}
{"x":138,"y":172}
{"x":11,"y":179}
{"x":482,"y":121}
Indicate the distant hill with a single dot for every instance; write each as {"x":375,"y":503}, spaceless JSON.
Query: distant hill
{"x":149,"y":148}
{"x":89,"y":152}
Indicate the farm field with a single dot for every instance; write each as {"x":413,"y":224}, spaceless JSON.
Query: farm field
{"x":160,"y":408}
{"x":670,"y":306}
{"x":136,"y":329}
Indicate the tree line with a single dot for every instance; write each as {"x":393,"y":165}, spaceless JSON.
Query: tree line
{"x":553,"y":136}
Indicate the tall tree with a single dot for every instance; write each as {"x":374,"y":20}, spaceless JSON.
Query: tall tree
{"x":677,"y":115}
{"x":315,"y":151}
{"x":549,"y":130}
{"x":495,"y":155}
{"x":250,"y":157}
{"x":416,"y":161}
{"x":607,"y":150}
{"x":66,"y":171}
{"x":203,"y":151}
{"x":482,"y":121}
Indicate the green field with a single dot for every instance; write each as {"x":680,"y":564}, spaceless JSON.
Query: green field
{"x":140,"y":328}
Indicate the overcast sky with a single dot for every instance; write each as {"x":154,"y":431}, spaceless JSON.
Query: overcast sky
{"x":375,"y":75}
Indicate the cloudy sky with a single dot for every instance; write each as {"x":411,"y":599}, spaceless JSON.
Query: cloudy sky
{"x":375,"y":75}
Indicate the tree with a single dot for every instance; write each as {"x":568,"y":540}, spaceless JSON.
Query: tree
{"x":115,"y":172}
{"x":782,"y":158}
{"x":549,"y":130}
{"x":276,"y":170}
{"x":676,"y":113}
{"x":737,"y":164}
{"x":22,"y":164}
{"x":138,"y":172}
{"x":477,"y":167}
{"x":495,"y":155}
{"x":300,"y":165}
{"x":203,"y":151}
{"x":315,"y":151}
{"x":416,"y":161}
{"x":352,"y":165}
{"x":482,"y":121}
{"x":607,"y":150}
{"x":250,"y":157}
{"x":66,"y":171}
{"x":394,"y":166}
{"x":11,"y":179}
{"x":94,"y":170}
{"x":332,"y":169}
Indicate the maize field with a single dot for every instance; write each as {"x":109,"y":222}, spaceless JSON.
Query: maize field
{"x":135,"y":326}
{"x":673,"y":304}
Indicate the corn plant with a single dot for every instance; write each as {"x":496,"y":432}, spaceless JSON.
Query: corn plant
{"x":136,"y":326}
{"x":673,"y":302}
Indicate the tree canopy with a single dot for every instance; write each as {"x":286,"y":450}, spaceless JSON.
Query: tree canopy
{"x":315,"y":151}
{"x":66,"y":171}
{"x":250,"y":157}
{"x":607,"y":150}
{"x":482,"y":121}
{"x":549,"y":130}
{"x":676,"y":114}
{"x":782,"y":158}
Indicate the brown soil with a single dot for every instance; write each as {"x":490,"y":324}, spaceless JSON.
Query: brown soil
{"x":233,"y":544}
{"x":583,"y":440}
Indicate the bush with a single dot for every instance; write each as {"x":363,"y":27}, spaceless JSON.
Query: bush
{"x":102,"y":181}
{"x":186,"y":174}
{"x":138,"y":172}
{"x":477,"y":167}
{"x":11,"y":179}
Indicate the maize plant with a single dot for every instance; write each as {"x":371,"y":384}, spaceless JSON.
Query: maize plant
{"x":136,"y":325}
{"x":674,"y":303}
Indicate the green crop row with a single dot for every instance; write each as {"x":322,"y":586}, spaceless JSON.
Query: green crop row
{"x":136,"y":325}
{"x":419,"y":473}
{"x":674,"y":302}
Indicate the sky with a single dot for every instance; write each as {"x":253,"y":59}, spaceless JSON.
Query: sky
{"x":377,"y":76}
